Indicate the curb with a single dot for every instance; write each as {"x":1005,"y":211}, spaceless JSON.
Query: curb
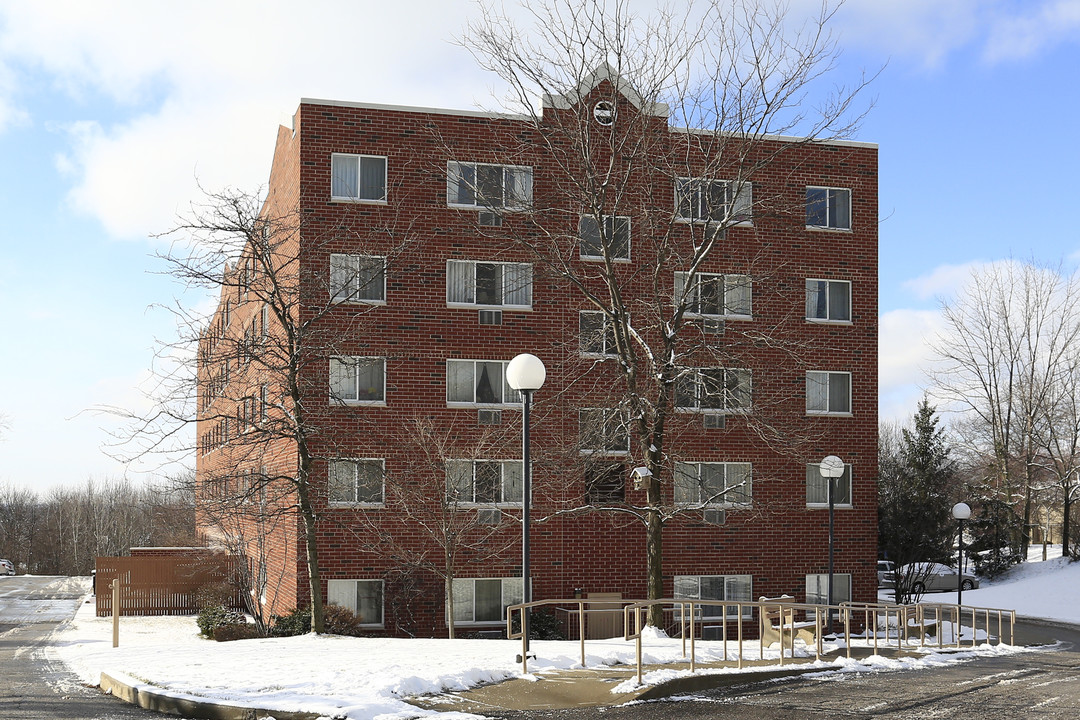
{"x":150,"y":698}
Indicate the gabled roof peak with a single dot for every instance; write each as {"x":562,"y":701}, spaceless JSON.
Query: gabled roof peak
{"x":588,"y":83}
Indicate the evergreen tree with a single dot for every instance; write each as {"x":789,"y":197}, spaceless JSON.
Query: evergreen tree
{"x":915,"y":482}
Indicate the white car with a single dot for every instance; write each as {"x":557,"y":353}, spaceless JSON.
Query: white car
{"x":935,"y":577}
{"x":885,"y":570}
{"x":6,"y":568}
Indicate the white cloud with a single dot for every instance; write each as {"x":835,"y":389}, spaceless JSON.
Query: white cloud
{"x":1040,"y":28}
{"x":200,"y":87}
{"x":904,"y":338}
{"x":925,"y":30}
{"x":943,"y":281}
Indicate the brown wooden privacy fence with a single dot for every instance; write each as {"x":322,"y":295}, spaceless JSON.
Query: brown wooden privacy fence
{"x":162,"y":585}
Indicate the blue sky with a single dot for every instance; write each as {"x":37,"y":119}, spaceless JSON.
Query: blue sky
{"x":109,"y":111}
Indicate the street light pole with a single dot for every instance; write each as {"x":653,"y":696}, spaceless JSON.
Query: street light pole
{"x":526,"y":374}
{"x":960,"y":511}
{"x":831,"y":468}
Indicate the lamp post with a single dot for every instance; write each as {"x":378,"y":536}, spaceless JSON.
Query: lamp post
{"x":526,"y":374}
{"x":960,"y":511}
{"x":831,"y":468}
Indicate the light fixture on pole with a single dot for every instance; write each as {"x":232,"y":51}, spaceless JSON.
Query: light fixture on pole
{"x":526,"y":374}
{"x":831,"y":468}
{"x":960,"y":511}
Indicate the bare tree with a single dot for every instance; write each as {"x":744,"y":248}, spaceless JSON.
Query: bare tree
{"x":1008,"y":347}
{"x":247,"y":374}
{"x":739,"y":75}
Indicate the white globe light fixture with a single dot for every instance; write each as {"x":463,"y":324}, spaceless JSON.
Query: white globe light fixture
{"x":961,"y":511}
{"x":526,"y":374}
{"x":831,"y":468}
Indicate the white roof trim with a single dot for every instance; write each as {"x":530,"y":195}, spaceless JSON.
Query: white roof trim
{"x":590,"y":81}
{"x":414,"y":109}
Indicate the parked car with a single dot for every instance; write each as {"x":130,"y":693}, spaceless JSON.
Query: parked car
{"x":885,"y":573}
{"x":935,"y":577}
{"x":6,"y":567}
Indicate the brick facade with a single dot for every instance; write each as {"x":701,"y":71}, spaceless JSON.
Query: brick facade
{"x":778,"y":540}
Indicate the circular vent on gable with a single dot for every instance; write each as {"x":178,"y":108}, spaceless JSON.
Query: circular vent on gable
{"x":604,"y":112}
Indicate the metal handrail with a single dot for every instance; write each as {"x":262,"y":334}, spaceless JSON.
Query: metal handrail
{"x":741,"y":612}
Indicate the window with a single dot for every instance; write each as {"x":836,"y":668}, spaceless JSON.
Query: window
{"x":700,"y":200}
{"x":363,"y":597}
{"x":484,"y":600}
{"x":817,"y":590}
{"x":721,"y":484}
{"x":479,"y":185}
{"x":488,"y":283}
{"x":615,"y":237}
{"x":358,"y":379}
{"x":714,"y":295}
{"x":828,"y":300}
{"x":828,"y":208}
{"x":484,"y":482}
{"x":603,"y":430}
{"x":828,"y":393}
{"x":817,"y":487}
{"x":596,"y":334}
{"x":605,"y":484}
{"x":358,"y":177}
{"x":357,"y":278}
{"x":715,"y":390}
{"x":731,"y":588}
{"x":356,"y":482}
{"x":478,"y":382}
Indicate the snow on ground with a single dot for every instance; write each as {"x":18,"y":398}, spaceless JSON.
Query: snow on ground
{"x":369,"y":677}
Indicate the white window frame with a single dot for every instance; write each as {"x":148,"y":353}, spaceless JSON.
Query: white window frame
{"x":737,"y":208}
{"x":814,"y":376}
{"x":831,"y":208}
{"x":687,"y":482}
{"x":613,"y":220}
{"x":816,"y":487}
{"x":348,"y":291}
{"x":345,"y":593}
{"x":507,"y":202}
{"x":817,"y":589}
{"x":607,"y":335}
{"x":705,"y":613}
{"x":828,"y":319}
{"x":607,"y":417}
{"x":510,"y":593}
{"x":465,"y":271}
{"x":357,"y":361}
{"x":356,"y":463}
{"x":510,"y":397}
{"x":504,"y":465}
{"x":728,"y":407}
{"x":335,"y":157}
{"x":732,"y":283}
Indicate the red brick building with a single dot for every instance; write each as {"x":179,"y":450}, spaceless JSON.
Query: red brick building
{"x":421,"y":248}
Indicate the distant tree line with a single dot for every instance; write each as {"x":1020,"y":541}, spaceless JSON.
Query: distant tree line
{"x":61,"y":532}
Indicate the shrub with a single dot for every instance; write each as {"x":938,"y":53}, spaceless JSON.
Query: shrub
{"x":217,"y":594}
{"x":212,"y":617}
{"x":295,"y":622}
{"x":337,"y":620}
{"x":542,"y":626}
{"x":235,"y":631}
{"x":342,"y":621}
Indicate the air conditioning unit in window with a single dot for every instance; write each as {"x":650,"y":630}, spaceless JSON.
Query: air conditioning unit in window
{"x":715,"y":421}
{"x":490,"y":219}
{"x":489,"y":516}
{"x":714,"y":516}
{"x":491,"y":317}
{"x":713,"y":326}
{"x":489,"y":417}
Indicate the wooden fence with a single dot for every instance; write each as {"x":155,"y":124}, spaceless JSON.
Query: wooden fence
{"x":162,"y":585}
